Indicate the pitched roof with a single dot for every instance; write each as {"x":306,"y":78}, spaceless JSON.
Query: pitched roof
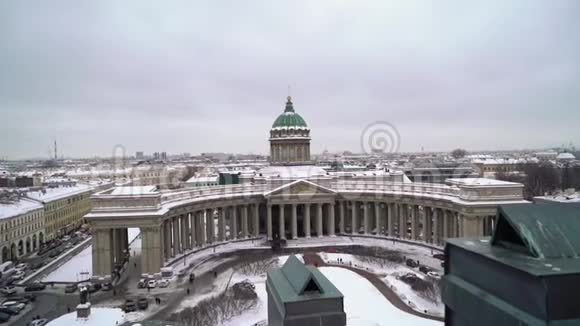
{"x":297,"y":282}
{"x":546,"y":230}
{"x":300,"y":184}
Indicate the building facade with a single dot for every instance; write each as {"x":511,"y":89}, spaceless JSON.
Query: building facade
{"x":64,"y":208}
{"x":21,"y":226}
{"x":289,"y":200}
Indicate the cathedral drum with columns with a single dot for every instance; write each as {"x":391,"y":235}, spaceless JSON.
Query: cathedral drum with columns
{"x":290,"y":199}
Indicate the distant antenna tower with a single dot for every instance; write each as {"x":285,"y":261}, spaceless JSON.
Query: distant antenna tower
{"x":55,"y":152}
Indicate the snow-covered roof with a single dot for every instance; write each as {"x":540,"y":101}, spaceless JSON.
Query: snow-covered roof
{"x":298,"y":171}
{"x":561,"y":198}
{"x":50,"y":194}
{"x":98,"y":317}
{"x":565,"y":156}
{"x":211,"y":178}
{"x":479,"y":182}
{"x":134,"y":190}
{"x":18,"y":207}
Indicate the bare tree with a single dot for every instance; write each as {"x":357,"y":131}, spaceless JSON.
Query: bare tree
{"x":458,"y":153}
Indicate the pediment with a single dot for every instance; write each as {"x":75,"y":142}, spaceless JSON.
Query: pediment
{"x":300,"y":187}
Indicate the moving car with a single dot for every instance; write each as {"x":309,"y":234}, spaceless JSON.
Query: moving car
{"x":18,"y":275}
{"x":142,"y":283}
{"x":434,"y":275}
{"x":143,"y":303}
{"x":35,"y":287}
{"x":18,"y":306}
{"x":130,"y":305}
{"x":107,"y":286}
{"x":152,"y":284}
{"x":424,"y":269}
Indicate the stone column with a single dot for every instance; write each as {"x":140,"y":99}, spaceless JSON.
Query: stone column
{"x":256,"y":220}
{"x":202,"y":226}
{"x":377,"y":206}
{"x":281,"y":222}
{"x":245,"y":221}
{"x":193,"y":229}
{"x":436,"y":226}
{"x":341,"y":218}
{"x":175,"y":242}
{"x":429,"y":225}
{"x":102,"y":253}
{"x":221,"y":224}
{"x":319,"y":219}
{"x":188,"y":231}
{"x":424,"y":218}
{"x":307,"y":220}
{"x":269,"y":220}
{"x":210,"y":220}
{"x":151,"y":258}
{"x":234,"y":223}
{"x":391,"y":216}
{"x":331,"y":219}
{"x":294,"y":222}
{"x":183,"y":236}
{"x":403,"y":213}
{"x":414,"y":226}
{"x":354,"y":217}
{"x":446,"y":216}
{"x":167,"y":238}
{"x":365,"y":207}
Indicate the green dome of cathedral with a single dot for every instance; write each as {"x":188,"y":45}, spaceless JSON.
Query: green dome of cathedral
{"x":289,"y":118}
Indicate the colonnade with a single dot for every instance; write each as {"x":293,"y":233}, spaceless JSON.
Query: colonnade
{"x":176,"y":234}
{"x":207,"y":226}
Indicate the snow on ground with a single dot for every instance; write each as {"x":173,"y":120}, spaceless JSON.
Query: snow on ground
{"x":388,"y":274}
{"x":358,"y":292}
{"x":98,"y":317}
{"x":76,"y":269}
{"x":256,"y":315}
{"x":133,"y":233}
{"x":219,"y":286}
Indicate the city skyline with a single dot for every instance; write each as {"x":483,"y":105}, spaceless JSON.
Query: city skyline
{"x":180,"y":79}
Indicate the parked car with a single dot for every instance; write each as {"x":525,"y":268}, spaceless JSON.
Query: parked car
{"x":35,"y":287}
{"x":70,"y":288}
{"x":18,"y":306}
{"x":24,"y":298}
{"x":412,"y":263}
{"x":22,"y":266}
{"x":163,"y":283}
{"x":152,"y":284}
{"x":142,"y":303}
{"x":18,"y":275}
{"x":4,"y":317}
{"x":434,"y":275}
{"x":9,"y":290}
{"x":181,"y":273}
{"x":38,"y":265}
{"x":424,"y":269}
{"x":38,"y":322}
{"x":130,"y":305}
{"x":9,"y":311}
{"x":142,"y":283}
{"x":439,"y":256}
{"x":92,"y":288}
{"x":107,"y":286}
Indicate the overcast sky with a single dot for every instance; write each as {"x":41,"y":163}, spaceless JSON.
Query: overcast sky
{"x":193,"y":76}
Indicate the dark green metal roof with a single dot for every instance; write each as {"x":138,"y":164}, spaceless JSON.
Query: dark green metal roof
{"x":289,"y":118}
{"x":291,"y":282}
{"x":545,"y":238}
{"x":548,"y":230}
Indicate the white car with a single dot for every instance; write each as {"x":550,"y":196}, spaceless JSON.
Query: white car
{"x":22,"y":267}
{"x":9,"y":290}
{"x":163,"y":283}
{"x":152,"y":284}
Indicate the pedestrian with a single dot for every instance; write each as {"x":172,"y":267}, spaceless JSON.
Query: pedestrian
{"x":135,"y":265}
{"x":67,"y":309}
{"x":148,"y":289}
{"x":114,"y":292}
{"x":188,"y":291}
